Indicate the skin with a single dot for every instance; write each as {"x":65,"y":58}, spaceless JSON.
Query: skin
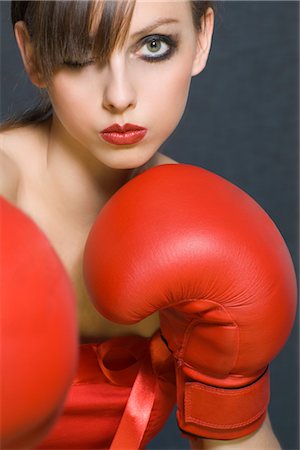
{"x":80,"y":171}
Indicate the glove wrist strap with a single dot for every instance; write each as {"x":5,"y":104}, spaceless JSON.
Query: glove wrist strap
{"x":221,"y":413}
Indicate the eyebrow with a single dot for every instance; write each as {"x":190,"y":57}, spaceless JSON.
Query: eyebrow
{"x":155,"y":24}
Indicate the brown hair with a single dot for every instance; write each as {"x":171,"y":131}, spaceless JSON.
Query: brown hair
{"x":61,"y":31}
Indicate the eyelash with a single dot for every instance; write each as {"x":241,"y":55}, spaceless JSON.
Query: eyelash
{"x":77,"y":64}
{"x":170,"y":41}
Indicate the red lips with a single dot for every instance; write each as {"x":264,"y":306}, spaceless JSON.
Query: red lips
{"x":123,"y":135}
{"x":122,"y":129}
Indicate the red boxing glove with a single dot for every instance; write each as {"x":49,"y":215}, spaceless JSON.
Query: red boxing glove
{"x":184,"y":241}
{"x":38,"y":332}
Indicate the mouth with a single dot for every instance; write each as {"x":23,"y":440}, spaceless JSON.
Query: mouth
{"x":127,"y":134}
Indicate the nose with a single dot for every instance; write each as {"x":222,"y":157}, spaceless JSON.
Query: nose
{"x":119,"y":93}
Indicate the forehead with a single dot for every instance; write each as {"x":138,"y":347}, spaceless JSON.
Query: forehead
{"x":146,"y":11}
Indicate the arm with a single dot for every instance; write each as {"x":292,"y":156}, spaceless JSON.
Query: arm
{"x":262,"y":439}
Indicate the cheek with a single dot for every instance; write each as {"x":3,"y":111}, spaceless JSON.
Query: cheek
{"x":70,"y":97}
{"x":169,"y":94}
{"x":176,"y":90}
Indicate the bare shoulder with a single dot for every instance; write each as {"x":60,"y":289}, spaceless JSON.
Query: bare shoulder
{"x":21,"y":143}
{"x":9,"y":174}
{"x":19,"y":148}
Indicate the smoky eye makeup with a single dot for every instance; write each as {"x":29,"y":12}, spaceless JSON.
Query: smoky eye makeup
{"x":153,"y":48}
{"x":78,"y":64}
{"x":157,"y":47}
{"x":86,"y":59}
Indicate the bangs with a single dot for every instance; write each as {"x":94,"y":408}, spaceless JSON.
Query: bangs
{"x":76,"y":30}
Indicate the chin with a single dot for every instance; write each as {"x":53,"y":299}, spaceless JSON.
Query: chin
{"x":128,"y":158}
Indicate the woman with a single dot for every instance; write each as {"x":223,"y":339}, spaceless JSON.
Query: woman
{"x":102,"y":64}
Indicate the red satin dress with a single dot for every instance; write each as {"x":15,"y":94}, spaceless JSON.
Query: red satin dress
{"x":121,"y":397}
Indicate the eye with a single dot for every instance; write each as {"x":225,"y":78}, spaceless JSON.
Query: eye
{"x":157,"y":47}
{"x":78,"y":64}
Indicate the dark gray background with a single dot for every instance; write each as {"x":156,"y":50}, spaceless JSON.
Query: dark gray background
{"x":241,"y":122}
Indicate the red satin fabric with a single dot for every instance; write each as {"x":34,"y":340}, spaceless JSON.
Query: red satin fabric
{"x":121,"y":397}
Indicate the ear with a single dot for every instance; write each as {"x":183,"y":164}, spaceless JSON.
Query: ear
{"x":27,"y":54}
{"x":204,"y":38}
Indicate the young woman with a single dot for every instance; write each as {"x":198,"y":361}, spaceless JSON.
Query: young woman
{"x":114,"y":77}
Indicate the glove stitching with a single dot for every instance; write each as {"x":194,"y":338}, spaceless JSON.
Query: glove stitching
{"x":191,"y":325}
{"x":226,"y":392}
{"x":235,"y":425}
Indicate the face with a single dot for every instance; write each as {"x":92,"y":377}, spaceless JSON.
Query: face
{"x":145,"y":83}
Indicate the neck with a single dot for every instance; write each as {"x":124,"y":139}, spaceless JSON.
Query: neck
{"x":81,"y":182}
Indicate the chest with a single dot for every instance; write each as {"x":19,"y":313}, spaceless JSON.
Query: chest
{"x":68,"y":237}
